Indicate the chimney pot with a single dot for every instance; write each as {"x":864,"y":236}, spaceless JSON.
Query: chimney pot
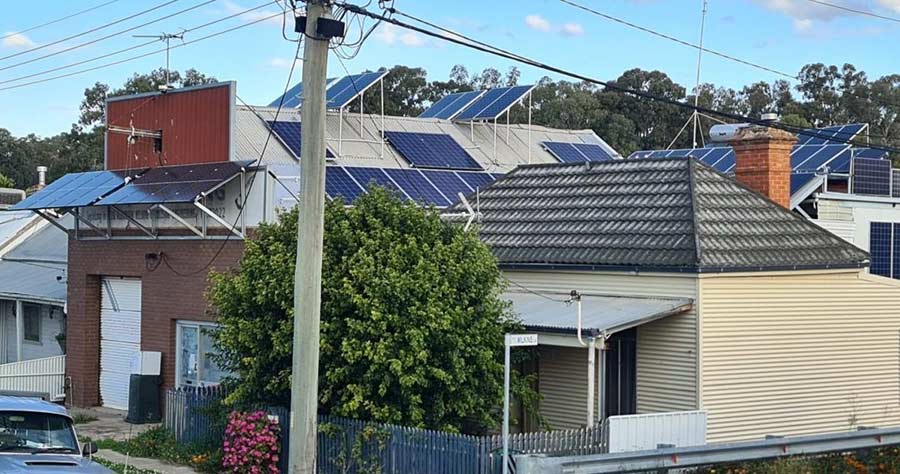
{"x":42,"y":176}
{"x":763,"y":161}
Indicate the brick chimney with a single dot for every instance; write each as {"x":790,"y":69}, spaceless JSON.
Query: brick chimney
{"x":763,"y":161}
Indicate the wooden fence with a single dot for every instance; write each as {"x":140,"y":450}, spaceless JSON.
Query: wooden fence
{"x":351,"y":446}
{"x":46,"y":376}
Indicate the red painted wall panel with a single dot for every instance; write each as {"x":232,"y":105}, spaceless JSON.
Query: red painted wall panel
{"x":195,"y":125}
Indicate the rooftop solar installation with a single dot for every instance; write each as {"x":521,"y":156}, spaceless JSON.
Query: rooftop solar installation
{"x":431,"y":150}
{"x":449,"y":183}
{"x":814,"y":157}
{"x":373,"y":176}
{"x":173,"y":184}
{"x":869,"y":153}
{"x":347,"y":88}
{"x":292,"y":98}
{"x":834,"y":134}
{"x":494,"y":103}
{"x":880,"y":244}
{"x":870,"y":176}
{"x":799,"y":180}
{"x":338,"y":183}
{"x":895,"y":183}
{"x":450,"y":105}
{"x":576,"y":152}
{"x":75,"y":190}
{"x":289,"y":134}
{"x":417,"y":187}
{"x":476,"y":180}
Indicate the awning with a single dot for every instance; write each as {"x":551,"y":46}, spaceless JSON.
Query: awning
{"x":548,"y":312}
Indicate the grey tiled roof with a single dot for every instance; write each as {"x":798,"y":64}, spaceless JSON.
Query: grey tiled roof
{"x":664,"y":214}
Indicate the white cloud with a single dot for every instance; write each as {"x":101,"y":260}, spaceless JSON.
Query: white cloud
{"x":232,"y":8}
{"x":282,"y":63}
{"x":803,"y":24}
{"x":16,"y":40}
{"x":572,"y":29}
{"x":891,"y":4}
{"x":537,"y":22}
{"x":389,"y":34}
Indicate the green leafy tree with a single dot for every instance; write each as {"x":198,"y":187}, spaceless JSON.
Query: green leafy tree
{"x":6,"y":182}
{"x":412,"y":318}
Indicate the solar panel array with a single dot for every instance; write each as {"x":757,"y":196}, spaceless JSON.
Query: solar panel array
{"x":173,"y":184}
{"x":494,"y":103}
{"x":799,"y":180}
{"x":576,"y":152}
{"x":895,"y":183}
{"x":293,"y":98}
{"x":837,"y":133}
{"x":75,"y":190}
{"x":347,"y":88}
{"x":432,"y":150}
{"x":870,"y":176}
{"x":720,"y":158}
{"x":450,"y":105}
{"x":882,"y":246}
{"x":432,"y":187}
{"x":289,"y":133}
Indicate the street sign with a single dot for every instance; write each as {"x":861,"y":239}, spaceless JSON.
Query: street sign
{"x":517,"y":340}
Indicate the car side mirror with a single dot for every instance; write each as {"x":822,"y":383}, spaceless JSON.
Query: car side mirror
{"x":88,"y":448}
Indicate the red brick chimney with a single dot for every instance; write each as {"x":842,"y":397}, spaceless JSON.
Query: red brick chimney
{"x":763,"y":161}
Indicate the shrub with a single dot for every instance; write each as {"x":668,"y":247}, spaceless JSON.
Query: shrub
{"x":251,"y":443}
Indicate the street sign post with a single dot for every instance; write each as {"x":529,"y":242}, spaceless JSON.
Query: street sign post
{"x":511,"y":340}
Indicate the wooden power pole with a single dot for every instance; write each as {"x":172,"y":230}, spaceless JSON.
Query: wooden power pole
{"x":308,"y":273}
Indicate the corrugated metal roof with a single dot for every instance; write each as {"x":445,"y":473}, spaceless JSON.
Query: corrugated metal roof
{"x":355,"y":146}
{"x":598,"y":313}
{"x":33,"y":281}
{"x":47,"y":244}
{"x":671,"y":214}
{"x":12,"y":224}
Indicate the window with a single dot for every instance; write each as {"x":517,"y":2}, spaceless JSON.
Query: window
{"x":194,"y":360}
{"x":884,"y":249}
{"x":32,"y":320}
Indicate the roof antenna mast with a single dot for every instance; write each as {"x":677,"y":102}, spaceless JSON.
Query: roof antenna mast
{"x":167,"y":37}
{"x":696,"y":114}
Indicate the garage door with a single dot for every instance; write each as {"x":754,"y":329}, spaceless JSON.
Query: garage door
{"x":120,"y":337}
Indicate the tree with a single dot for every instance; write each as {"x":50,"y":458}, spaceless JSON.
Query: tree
{"x":412,"y":318}
{"x":6,"y":182}
{"x":404,"y":93}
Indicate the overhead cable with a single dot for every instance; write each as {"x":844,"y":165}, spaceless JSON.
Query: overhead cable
{"x":52,"y":22}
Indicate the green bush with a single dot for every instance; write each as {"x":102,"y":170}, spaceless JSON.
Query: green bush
{"x":157,"y":443}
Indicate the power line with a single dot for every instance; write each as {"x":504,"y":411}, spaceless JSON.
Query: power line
{"x":855,"y":10}
{"x":51,"y":22}
{"x":103,"y":38}
{"x":133,"y":58}
{"x":496,"y":51}
{"x":137,"y":46}
{"x":677,"y":40}
{"x":107,"y":25}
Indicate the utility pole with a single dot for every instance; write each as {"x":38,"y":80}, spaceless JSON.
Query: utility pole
{"x":308,"y":272}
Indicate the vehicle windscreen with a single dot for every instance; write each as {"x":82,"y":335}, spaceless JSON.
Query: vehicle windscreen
{"x":36,"y":433}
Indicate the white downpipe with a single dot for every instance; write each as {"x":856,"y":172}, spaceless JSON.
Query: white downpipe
{"x":20,"y":329}
{"x":575,"y":296}
{"x":592,"y":371}
{"x":601,"y":411}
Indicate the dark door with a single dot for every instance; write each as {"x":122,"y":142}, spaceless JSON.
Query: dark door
{"x":621,"y":369}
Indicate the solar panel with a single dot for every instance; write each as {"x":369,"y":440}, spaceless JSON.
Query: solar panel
{"x":289,"y":134}
{"x":895,"y":252}
{"x":871,"y":176}
{"x":74,"y":190}
{"x":799,"y":180}
{"x":476,"y":180}
{"x":869,"y":153}
{"x":292,"y":98}
{"x":431,"y":150}
{"x":576,"y":152}
{"x":895,"y":183}
{"x":450,"y":105}
{"x":348,"y":88}
{"x":373,"y":176}
{"x":449,"y":183}
{"x":173,"y":184}
{"x":814,"y":157}
{"x":416,"y":186}
{"x":880,"y":246}
{"x":833,"y":134}
{"x":493,"y":103}
{"x":338,"y":183}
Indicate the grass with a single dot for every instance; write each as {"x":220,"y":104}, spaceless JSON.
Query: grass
{"x":157,"y":443}
{"x":81,"y":418}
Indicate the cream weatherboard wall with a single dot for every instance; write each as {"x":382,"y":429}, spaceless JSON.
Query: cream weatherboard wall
{"x":794,"y":353}
{"x":666,"y":349}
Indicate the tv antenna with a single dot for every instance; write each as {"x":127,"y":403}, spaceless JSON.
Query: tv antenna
{"x":167,"y":37}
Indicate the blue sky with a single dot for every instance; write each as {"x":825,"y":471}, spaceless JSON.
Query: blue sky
{"x":781,"y":34}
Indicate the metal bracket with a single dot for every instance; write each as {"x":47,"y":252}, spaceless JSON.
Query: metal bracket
{"x":88,"y":223}
{"x":52,"y":221}
{"x":132,"y":220}
{"x":218,"y":219}
{"x":178,"y":218}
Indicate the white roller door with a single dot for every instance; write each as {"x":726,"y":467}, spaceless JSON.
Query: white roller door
{"x":120,"y":337}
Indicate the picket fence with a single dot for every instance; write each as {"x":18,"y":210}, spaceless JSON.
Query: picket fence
{"x":350,"y":446}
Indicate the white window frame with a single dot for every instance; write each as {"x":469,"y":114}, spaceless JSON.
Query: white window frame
{"x":180,"y":325}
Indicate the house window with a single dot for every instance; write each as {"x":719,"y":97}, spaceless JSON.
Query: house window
{"x":32,"y":321}
{"x":194,"y":351}
{"x":884,"y":249}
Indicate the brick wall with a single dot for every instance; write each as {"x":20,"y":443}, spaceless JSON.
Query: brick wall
{"x":763,"y":162}
{"x":166,"y":298}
